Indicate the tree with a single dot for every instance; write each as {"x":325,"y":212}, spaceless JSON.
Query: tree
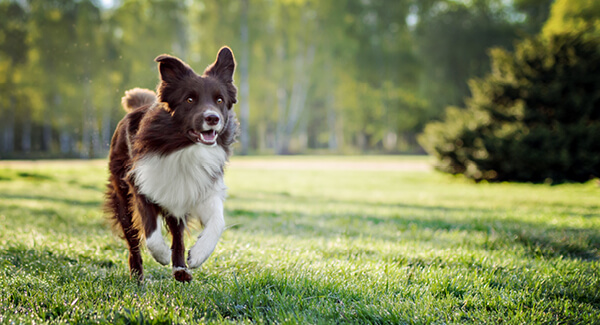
{"x":339,"y":75}
{"x":13,"y":54}
{"x":535,"y":118}
{"x":535,"y":13}
{"x":581,"y":15}
{"x":453,"y":42}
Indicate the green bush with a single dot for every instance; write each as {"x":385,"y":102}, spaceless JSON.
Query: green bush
{"x":535,"y":118}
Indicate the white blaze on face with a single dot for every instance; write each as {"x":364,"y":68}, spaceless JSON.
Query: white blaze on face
{"x":209,"y":133}
{"x":212,"y":125}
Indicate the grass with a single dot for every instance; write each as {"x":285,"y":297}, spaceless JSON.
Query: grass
{"x":311,"y":240}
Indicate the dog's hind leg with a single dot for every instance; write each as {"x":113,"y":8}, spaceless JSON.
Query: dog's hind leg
{"x":180,"y":270}
{"x":210,"y":213}
{"x":149,"y":216}
{"x":118,"y":206}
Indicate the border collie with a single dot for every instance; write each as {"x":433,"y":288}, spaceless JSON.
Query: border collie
{"x":167,"y":160}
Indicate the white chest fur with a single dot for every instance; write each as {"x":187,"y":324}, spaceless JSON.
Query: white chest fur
{"x":182,"y":180}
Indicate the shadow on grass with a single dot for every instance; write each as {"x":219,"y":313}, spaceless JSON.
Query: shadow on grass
{"x":537,"y":240}
{"x":42,"y":198}
{"x":58,"y":220}
{"x":46,"y":261}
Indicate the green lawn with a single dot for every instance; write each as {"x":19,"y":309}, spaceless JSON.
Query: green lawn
{"x":311,"y":240}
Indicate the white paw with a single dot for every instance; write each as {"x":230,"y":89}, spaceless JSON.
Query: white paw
{"x":197,"y":256}
{"x":157,"y":247}
{"x":163,"y":257}
{"x":210,"y":213}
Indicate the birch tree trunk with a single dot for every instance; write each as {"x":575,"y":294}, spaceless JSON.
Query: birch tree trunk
{"x":290,"y":113}
{"x":244,"y":82}
{"x":331,"y":113}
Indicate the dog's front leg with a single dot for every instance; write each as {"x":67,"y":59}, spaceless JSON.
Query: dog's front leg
{"x":210,"y":213}
{"x":149,"y":215}
{"x":180,"y":270}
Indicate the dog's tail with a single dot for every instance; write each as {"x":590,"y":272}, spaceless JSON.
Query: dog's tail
{"x":136,"y":98}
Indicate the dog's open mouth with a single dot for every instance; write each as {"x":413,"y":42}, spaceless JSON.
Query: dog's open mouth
{"x":208,"y":137}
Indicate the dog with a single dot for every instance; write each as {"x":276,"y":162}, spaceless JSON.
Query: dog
{"x":167,"y":159}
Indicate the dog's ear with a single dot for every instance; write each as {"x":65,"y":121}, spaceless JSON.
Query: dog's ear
{"x":172,"y":69}
{"x":223,"y":67}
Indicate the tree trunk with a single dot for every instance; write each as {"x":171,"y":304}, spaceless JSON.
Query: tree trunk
{"x":331,"y":113}
{"x":26,"y":134}
{"x":8,"y":133}
{"x":95,"y":134}
{"x":290,"y":113}
{"x":106,"y":128}
{"x":47,"y":124}
{"x":331,"y":123}
{"x":66,"y":142}
{"x":84,"y":151}
{"x":244,"y":82}
{"x":281,"y":141}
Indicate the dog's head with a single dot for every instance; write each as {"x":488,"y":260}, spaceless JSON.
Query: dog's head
{"x":200,"y":104}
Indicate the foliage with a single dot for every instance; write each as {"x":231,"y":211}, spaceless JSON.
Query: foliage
{"x":536,"y":13}
{"x":310,"y":240}
{"x":535,"y":118}
{"x":339,"y":75}
{"x":453,"y":45}
{"x":580,"y":16}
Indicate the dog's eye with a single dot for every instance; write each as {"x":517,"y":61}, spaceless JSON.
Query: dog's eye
{"x":190,"y":100}
{"x":219,"y":100}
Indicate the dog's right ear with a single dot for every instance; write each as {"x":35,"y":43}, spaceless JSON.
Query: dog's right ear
{"x":172,"y":69}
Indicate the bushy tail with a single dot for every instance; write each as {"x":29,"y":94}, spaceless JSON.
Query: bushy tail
{"x":136,"y":98}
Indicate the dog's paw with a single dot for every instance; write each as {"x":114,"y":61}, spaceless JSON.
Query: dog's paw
{"x":193,"y":262}
{"x":163,"y":258}
{"x":158,"y":249}
{"x":197,"y":256}
{"x":182,"y":274}
{"x":162,"y":254}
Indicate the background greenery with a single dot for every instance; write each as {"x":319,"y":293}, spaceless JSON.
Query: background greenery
{"x":535,"y":118}
{"x":337,"y":76}
{"x":381,"y":240}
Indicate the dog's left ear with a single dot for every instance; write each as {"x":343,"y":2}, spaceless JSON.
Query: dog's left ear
{"x":223,"y":67}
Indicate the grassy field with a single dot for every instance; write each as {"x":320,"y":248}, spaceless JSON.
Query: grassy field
{"x":311,"y":240}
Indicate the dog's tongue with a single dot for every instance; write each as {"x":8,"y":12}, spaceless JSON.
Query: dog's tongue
{"x":205,"y":137}
{"x":208,"y":136}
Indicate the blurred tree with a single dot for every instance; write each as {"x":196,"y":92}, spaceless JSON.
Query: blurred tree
{"x":338,"y":75}
{"x":535,"y":118}
{"x":581,"y":15}
{"x":51,"y":77}
{"x":453,"y":40}
{"x":244,"y":96}
{"x":536,"y":13}
{"x":13,"y":54}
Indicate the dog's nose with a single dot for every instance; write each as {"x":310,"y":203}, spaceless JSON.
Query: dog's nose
{"x":212,"y":119}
